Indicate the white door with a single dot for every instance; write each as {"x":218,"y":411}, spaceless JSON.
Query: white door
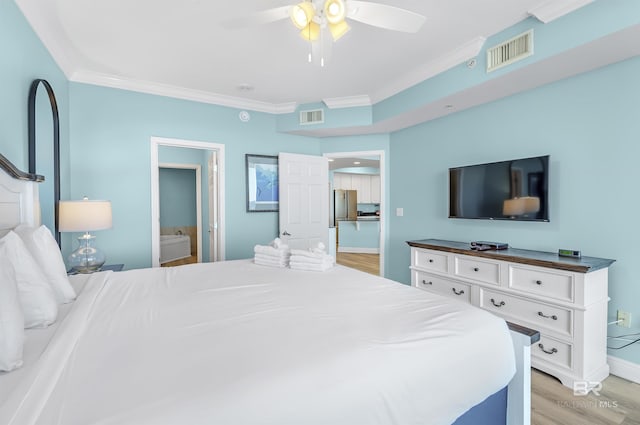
{"x":213,"y":205}
{"x":304,"y":200}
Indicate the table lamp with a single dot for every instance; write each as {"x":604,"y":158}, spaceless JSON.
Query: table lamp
{"x":85,"y":216}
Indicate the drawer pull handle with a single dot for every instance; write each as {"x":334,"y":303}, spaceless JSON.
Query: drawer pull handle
{"x":457,"y":292}
{"x":541,"y":314}
{"x":538,"y":282}
{"x":553,"y":350}
{"x":496,"y":304}
{"x":431,"y":260}
{"x":475,"y":269}
{"x":424,"y":282}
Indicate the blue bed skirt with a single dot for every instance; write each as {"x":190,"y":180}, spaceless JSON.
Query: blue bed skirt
{"x":492,"y":411}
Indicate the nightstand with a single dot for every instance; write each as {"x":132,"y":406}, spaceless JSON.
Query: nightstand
{"x":112,"y":267}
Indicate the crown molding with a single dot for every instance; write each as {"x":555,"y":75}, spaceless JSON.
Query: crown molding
{"x":347,"y":102}
{"x":430,"y":69}
{"x":551,"y":10}
{"x":148,"y":87}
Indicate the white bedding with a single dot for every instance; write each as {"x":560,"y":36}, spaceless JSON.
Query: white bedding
{"x":238,"y":343}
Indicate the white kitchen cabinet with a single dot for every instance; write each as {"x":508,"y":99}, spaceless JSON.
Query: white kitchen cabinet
{"x":367,"y":185}
{"x":375,"y":189}
{"x":563,"y":298}
{"x":342,"y":181}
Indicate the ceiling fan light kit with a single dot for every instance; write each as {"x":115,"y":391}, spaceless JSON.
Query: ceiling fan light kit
{"x":335,"y":11}
{"x":302,"y":14}
{"x":316,"y":19}
{"x":311,"y":32}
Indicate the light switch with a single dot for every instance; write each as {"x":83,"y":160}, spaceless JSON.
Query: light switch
{"x":399,"y":212}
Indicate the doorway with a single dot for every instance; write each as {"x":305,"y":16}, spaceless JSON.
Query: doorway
{"x":210,"y":160}
{"x":362,"y":238}
{"x":180,"y":188}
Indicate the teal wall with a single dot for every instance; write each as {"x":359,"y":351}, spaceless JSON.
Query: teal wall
{"x":23,"y":58}
{"x":177,"y":197}
{"x":589,"y":125}
{"x":110,"y":159}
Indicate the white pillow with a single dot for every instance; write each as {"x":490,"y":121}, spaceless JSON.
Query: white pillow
{"x":45,"y":251}
{"x":11,"y":319}
{"x":38,"y":302}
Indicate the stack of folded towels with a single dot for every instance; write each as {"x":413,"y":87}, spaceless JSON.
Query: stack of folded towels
{"x":276,"y":254}
{"x":315,"y":259}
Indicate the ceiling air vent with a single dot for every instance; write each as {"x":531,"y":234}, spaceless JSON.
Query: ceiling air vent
{"x":510,"y":51}
{"x":315,"y":116}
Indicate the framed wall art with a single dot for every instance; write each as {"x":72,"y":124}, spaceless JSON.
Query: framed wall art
{"x":262,"y":183}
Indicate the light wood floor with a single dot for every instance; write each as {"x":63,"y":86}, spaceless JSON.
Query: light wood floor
{"x":369,"y":263}
{"x":188,"y":260}
{"x":551,"y":402}
{"x":554,"y":404}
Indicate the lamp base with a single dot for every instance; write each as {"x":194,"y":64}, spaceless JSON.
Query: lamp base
{"x":87,"y":258}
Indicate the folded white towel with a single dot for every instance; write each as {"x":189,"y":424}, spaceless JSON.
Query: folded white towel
{"x":311,"y":267}
{"x":319,"y":248}
{"x":269,"y":250}
{"x":277,"y":243}
{"x":270,"y":262}
{"x":308,"y":254}
{"x":270,"y":258}
{"x":324,"y":259}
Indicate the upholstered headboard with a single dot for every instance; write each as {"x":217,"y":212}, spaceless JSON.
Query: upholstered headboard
{"x":19,"y":201}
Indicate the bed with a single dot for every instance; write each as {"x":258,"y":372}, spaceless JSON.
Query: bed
{"x":238,"y":343}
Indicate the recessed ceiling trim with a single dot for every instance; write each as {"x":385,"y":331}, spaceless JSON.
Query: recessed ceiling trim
{"x":430,"y":69}
{"x":89,"y":77}
{"x":347,"y":102}
{"x":551,"y":10}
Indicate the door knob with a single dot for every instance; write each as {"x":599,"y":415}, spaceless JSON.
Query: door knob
{"x":285,"y":233}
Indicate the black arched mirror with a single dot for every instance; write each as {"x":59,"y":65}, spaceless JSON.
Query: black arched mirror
{"x":44,"y":156}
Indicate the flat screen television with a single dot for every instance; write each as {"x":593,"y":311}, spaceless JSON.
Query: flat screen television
{"x":506,"y":190}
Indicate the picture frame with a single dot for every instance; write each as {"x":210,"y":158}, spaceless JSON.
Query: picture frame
{"x":262,"y":183}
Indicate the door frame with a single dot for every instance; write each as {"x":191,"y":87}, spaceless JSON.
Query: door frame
{"x":155,"y":143}
{"x":383,"y":197}
{"x":198,"y":170}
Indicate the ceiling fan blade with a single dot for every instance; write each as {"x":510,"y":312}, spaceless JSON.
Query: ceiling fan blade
{"x":384,"y":16}
{"x":258,"y":18}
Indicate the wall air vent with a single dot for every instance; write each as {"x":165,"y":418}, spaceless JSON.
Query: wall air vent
{"x":315,"y":116}
{"x":510,"y":51}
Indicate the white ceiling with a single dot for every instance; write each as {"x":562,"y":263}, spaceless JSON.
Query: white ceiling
{"x":182,"y":48}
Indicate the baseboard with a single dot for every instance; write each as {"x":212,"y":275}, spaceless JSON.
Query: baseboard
{"x":355,"y":250}
{"x":624,"y":369}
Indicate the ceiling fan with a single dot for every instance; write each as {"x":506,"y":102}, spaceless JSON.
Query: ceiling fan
{"x":323,"y":21}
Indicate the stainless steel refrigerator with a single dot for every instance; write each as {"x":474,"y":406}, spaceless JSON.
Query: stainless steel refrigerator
{"x":345,"y":206}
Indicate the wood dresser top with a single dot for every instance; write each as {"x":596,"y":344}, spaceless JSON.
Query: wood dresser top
{"x":523,"y":256}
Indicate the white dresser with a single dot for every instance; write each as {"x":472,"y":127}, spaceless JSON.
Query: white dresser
{"x":563,"y":298}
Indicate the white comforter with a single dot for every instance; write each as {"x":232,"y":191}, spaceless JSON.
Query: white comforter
{"x":238,"y":343}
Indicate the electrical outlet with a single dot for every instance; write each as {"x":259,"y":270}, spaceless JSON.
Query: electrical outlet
{"x":625,"y":319}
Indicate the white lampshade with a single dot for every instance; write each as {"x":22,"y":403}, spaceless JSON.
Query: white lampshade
{"x":83,"y":216}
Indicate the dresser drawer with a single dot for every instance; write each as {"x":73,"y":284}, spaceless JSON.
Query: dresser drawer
{"x":443,"y":286}
{"x":534,"y":314}
{"x":545,"y":283}
{"x":479,"y":270}
{"x":431,"y":260}
{"x":553,"y":351}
